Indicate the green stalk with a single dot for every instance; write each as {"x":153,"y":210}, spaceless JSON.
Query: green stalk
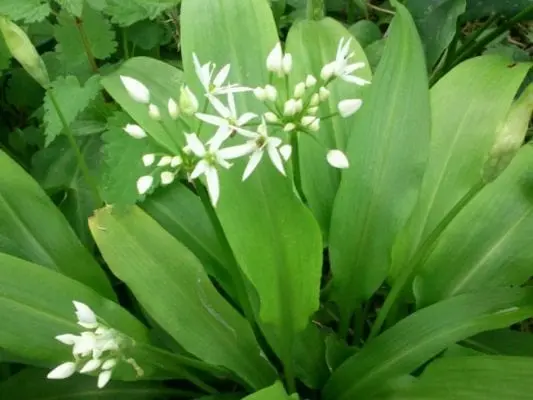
{"x":81,"y":161}
{"x":125,"y":47}
{"x":419,"y":258}
{"x":315,"y":9}
{"x":86,"y":44}
{"x":296,"y":165}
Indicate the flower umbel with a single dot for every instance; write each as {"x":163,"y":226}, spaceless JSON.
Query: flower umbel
{"x":100,"y":348}
{"x":341,"y":68}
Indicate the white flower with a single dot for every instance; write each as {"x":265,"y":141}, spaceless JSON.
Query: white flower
{"x":285,"y":151}
{"x":278,"y":62}
{"x":349,"y":107}
{"x":289,"y":127}
{"x":310,"y":81}
{"x":340,"y":67}
{"x":109,"y":364}
{"x":337,"y":159}
{"x":210,"y":159}
{"x":135,"y":131}
{"x":148,"y":159}
{"x":290,"y":108}
{"x":85,"y":344}
{"x":227,"y":115}
{"x":176,"y":160}
{"x":67,"y":339}
{"x":62,"y":371}
{"x":271,"y":93}
{"x":173,"y":109}
{"x":144,"y":183}
{"x":271,"y":117}
{"x":103,"y":378}
{"x":256,"y":145}
{"x":136,"y":90}
{"x":212,"y":85}
{"x":153,"y":112}
{"x":323,"y":94}
{"x":91,"y":366}
{"x":86,"y":316}
{"x":165,"y":160}
{"x":311,"y":122}
{"x":299,"y":90}
{"x":188,"y":101}
{"x":260,"y":93}
{"x":167,"y":178}
{"x":315,"y":100}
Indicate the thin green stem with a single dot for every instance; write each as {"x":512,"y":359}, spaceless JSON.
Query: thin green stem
{"x":86,"y":44}
{"x":419,"y":258}
{"x":296,"y":165}
{"x":289,"y":374}
{"x":81,"y":161}
{"x":315,"y":9}
{"x":125,"y":47}
{"x":359,"y":323}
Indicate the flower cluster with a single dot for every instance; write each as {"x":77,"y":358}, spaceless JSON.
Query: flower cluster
{"x":99,"y":348}
{"x":290,"y":111}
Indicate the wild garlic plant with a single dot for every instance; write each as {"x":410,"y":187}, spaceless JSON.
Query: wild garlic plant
{"x":290,"y":111}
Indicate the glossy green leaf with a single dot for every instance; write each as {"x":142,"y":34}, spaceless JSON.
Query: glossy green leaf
{"x":472,"y":378}
{"x":274,"y":392}
{"x":310,"y":357}
{"x":489,"y":243}
{"x":171,"y":285}
{"x":181,"y":213}
{"x":419,"y":337}
{"x":274,"y":237}
{"x":31,"y":384}
{"x":466,"y":114}
{"x":365,"y":32}
{"x":163,"y":81}
{"x":436,"y":22}
{"x":502,"y":342}
{"x":32,"y":228}
{"x":378,"y":191}
{"x":36,"y":305}
{"x":314,"y":44}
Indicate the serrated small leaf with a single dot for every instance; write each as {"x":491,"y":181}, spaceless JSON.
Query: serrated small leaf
{"x":72,"y":99}
{"x":127,"y":13}
{"x":99,"y":34}
{"x":26,"y":10}
{"x":74,"y":7}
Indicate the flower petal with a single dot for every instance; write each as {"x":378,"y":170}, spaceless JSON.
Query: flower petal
{"x":275,"y":157}
{"x":353,"y":67}
{"x":255,"y":158}
{"x":220,"y":136}
{"x":230,"y":153}
{"x":62,"y":371}
{"x":285,"y":151}
{"x":200,"y":169}
{"x":354,"y":79}
{"x":211,"y":119}
{"x":91,"y":366}
{"x":196,"y":146}
{"x":67,"y":339}
{"x":245,"y":118}
{"x":220,"y":108}
{"x":103,"y":378}
{"x":222,"y":76}
{"x":84,"y":313}
{"x":232,"y":106}
{"x":213,"y":185}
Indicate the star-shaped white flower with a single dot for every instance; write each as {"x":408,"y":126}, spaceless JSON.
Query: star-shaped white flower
{"x":213,"y":84}
{"x":211,"y":157}
{"x":258,"y":142}
{"x":227,"y":114}
{"x":341,"y":67}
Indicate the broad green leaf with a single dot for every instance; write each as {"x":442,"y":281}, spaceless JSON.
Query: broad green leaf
{"x":36,"y":305}
{"x":378,"y":191}
{"x":314,"y":44}
{"x":502,"y":342}
{"x":32,"y":228}
{"x":421,"y":336}
{"x":274,"y":392}
{"x":489,"y":243}
{"x":274,"y":237}
{"x":73,"y":7}
{"x":56,"y":168}
{"x":171,"y":285}
{"x":181,"y":213}
{"x":72,"y":100}
{"x":337,"y":351}
{"x":436,"y":21}
{"x":466,"y":114}
{"x":163,"y":81}
{"x":472,"y":378}
{"x":31,"y":384}
{"x":27,"y":10}
{"x":365,"y":32}
{"x":310,"y":357}
{"x":147,"y":34}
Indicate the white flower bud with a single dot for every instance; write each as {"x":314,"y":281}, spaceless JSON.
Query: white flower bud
{"x":327,"y":71}
{"x":173,"y":109}
{"x":287,"y":63}
{"x":62,"y":371}
{"x":135,"y":131}
{"x":299,"y":90}
{"x":260,"y":93}
{"x":315,"y":100}
{"x":144,"y":183}
{"x":154,"y":113}
{"x":165,"y":160}
{"x":299,"y":105}
{"x":310,"y":81}
{"x":176,"y":160}
{"x":285,"y":151}
{"x":91,"y":366}
{"x":136,"y":90}
{"x":271,"y":117}
{"x":311,"y":122}
{"x":349,"y":107}
{"x":67,"y":339}
{"x":337,"y":159}
{"x":103,"y":378}
{"x":289,"y":127}
{"x":271,"y":93}
{"x":148,"y":159}
{"x":167,"y":178}
{"x":188,"y":101}
{"x":109,"y":364}
{"x":312,"y":110}
{"x":323,"y":94}
{"x":289,"y":109}
{"x":274,"y":60}
{"x":86,"y":316}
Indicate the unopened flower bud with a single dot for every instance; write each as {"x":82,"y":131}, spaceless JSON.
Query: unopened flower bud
{"x":311,"y":122}
{"x":327,"y":71}
{"x":310,"y":81}
{"x":271,"y":93}
{"x":315,"y":100}
{"x":287,"y":63}
{"x":136,"y":90}
{"x":260,"y":93}
{"x":289,"y":109}
{"x":135,"y":131}
{"x":285,"y":151}
{"x":173,"y":109}
{"x":167,"y":178}
{"x":144,"y":183}
{"x":24,"y":52}
{"x":148,"y":159}
{"x":176,"y":160}
{"x":165,"y":160}
{"x":312,"y":110}
{"x":349,"y":107}
{"x":271,"y":117}
{"x":289,"y":127}
{"x":337,"y":159}
{"x":299,"y":90}
{"x":274,"y":60}
{"x":154,"y":113}
{"x":299,"y":105}
{"x":323,"y":94}
{"x":188,"y":101}
{"x":62,"y":371}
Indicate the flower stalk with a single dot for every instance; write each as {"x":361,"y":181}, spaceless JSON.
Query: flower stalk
{"x":315,"y":9}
